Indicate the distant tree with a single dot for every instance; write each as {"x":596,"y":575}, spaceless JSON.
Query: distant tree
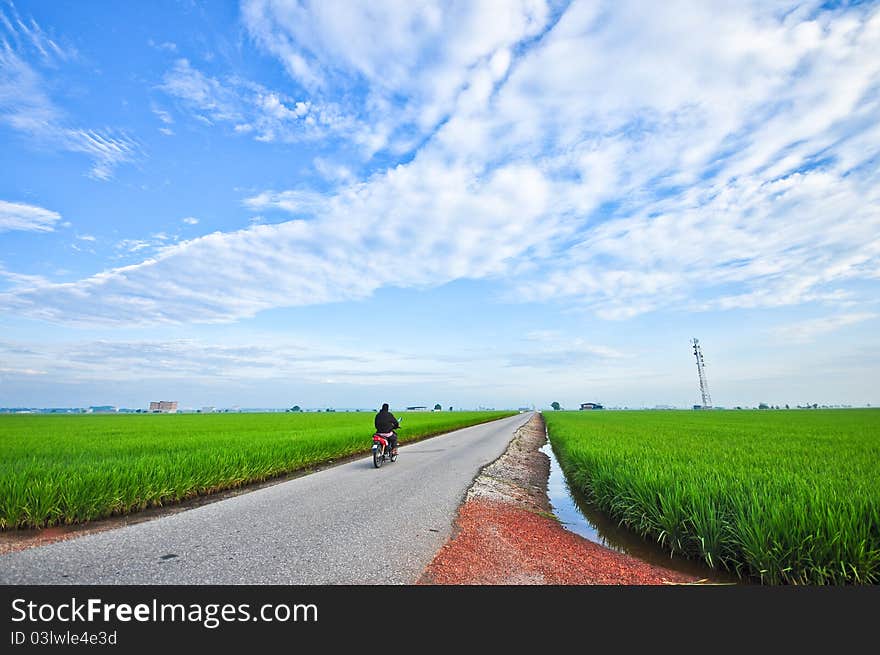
{"x":450,"y":408}
{"x":555,"y":405}
{"x":815,"y":405}
{"x":296,"y":408}
{"x":786,"y":406}
{"x":437,"y":407}
{"x":763,"y":406}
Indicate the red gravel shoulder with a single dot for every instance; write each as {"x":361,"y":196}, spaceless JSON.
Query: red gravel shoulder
{"x":505,"y":534}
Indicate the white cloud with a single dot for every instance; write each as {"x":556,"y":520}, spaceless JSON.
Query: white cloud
{"x":551,"y":350}
{"x":293,"y":202}
{"x":191,"y":220}
{"x":428,"y":226}
{"x":429,"y":54}
{"x":710,"y":206}
{"x":206,"y":93}
{"x":299,"y":359}
{"x":22,"y":281}
{"x":107,"y":149}
{"x":26,"y":34}
{"x":631,"y":159}
{"x":163,"y":116}
{"x":252,"y":108}
{"x":25,"y":106}
{"x":809,"y":330}
{"x":332,"y":171}
{"x":167,"y":46}
{"x":134,"y":245}
{"x":28,"y":218}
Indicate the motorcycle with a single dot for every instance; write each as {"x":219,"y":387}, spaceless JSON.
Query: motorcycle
{"x":381,"y":448}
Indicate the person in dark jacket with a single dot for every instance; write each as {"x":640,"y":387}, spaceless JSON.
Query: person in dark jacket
{"x":385,"y":423}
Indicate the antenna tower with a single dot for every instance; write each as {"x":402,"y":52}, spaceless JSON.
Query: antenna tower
{"x":701,"y":372}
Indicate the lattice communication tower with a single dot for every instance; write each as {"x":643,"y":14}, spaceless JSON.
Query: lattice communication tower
{"x":701,"y":372}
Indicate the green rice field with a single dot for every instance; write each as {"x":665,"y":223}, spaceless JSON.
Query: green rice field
{"x":69,"y":469}
{"x":777,"y":497}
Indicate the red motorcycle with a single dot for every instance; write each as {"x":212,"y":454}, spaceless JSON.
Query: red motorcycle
{"x":381,"y":449}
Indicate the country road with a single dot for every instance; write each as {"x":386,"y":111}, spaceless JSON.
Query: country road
{"x":335,"y":526}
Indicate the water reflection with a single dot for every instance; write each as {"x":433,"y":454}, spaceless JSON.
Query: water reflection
{"x":579,"y":516}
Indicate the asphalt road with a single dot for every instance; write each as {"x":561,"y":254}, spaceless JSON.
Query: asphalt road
{"x":349,"y":524}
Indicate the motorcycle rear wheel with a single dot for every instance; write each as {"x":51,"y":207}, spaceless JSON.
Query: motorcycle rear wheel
{"x":378,"y":457}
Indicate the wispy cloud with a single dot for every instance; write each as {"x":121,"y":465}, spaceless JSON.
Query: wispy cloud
{"x":133,"y":245}
{"x":26,"y":34}
{"x":204,"y":93}
{"x":550,"y":350}
{"x":190,"y":220}
{"x":406,"y":83}
{"x":107,"y":149}
{"x":26,"y":107}
{"x":262,"y":358}
{"x":198,"y":361}
{"x":334,"y":172}
{"x":167,"y":46}
{"x":163,"y":115}
{"x":250,"y":108}
{"x":303,"y":203}
{"x":809,"y":330}
{"x":149,"y":246}
{"x":22,"y":281}
{"x":29,"y":218}
{"x":330,"y":257}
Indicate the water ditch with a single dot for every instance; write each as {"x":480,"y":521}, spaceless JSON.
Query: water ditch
{"x":578,"y":515}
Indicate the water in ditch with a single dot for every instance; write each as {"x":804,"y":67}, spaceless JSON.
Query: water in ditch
{"x":579,"y":516}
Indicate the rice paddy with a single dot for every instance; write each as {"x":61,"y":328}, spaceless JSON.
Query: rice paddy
{"x":776,"y":497}
{"x":71,"y":469}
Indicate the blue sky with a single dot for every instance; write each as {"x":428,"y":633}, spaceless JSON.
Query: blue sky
{"x":495,"y":204}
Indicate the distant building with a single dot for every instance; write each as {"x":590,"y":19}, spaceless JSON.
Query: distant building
{"x":169,"y":406}
{"x":591,"y":406}
{"x":208,"y":410}
{"x":417,"y":408}
{"x":102,"y":409}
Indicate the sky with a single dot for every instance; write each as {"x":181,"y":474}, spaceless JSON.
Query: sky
{"x":496,"y":203}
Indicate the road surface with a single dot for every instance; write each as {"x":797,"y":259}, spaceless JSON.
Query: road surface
{"x":349,"y":524}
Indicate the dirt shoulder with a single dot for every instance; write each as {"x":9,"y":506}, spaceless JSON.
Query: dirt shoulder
{"x":505,"y":533}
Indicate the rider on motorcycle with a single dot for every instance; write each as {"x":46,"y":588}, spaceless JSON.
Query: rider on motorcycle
{"x":386,"y":423}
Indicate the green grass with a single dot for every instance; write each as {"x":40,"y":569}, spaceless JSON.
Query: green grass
{"x":780,"y":497}
{"x":70,"y":469}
